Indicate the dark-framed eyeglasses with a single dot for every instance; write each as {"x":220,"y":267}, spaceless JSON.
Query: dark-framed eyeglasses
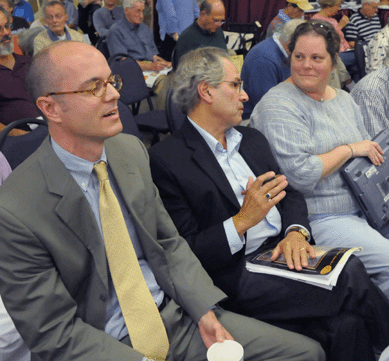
{"x":221,"y":22}
{"x":237,"y":84}
{"x":317,"y":25}
{"x":98,"y":89}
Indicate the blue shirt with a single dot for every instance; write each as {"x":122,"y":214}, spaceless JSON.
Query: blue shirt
{"x":82,"y":172}
{"x":238,"y":172}
{"x":24,"y":10}
{"x":72,"y":12}
{"x":174,"y":16}
{"x":104,"y":18}
{"x":264,"y":67}
{"x":136,"y":41}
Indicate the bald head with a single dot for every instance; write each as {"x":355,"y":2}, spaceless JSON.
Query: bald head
{"x":52,"y":66}
{"x":212,"y":15}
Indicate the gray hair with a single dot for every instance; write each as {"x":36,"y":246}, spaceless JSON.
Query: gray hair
{"x":5,"y":12}
{"x":52,"y":3}
{"x":200,"y":65}
{"x":130,"y":3}
{"x":26,"y":40}
{"x":370,"y":2}
{"x":288,"y":30}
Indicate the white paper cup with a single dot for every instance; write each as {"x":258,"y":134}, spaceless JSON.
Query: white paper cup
{"x":225,"y":351}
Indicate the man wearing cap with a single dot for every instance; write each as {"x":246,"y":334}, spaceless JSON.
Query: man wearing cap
{"x":294,"y":9}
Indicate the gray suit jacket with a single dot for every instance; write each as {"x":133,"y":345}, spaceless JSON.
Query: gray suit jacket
{"x":53,"y":267}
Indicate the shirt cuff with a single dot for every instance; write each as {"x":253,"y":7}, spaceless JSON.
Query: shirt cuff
{"x":300,"y":226}
{"x":235,"y":242}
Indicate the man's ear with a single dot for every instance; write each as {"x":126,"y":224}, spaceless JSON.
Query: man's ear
{"x":205,"y":92}
{"x":49,"y":107}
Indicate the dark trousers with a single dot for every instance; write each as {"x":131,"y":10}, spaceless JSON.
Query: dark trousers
{"x":348,"y":320}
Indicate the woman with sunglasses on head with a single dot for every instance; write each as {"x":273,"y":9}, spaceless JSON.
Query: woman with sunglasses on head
{"x":313,"y":130}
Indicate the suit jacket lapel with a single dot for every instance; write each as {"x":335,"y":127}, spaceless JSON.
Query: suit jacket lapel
{"x":206,"y":160}
{"x":129,"y":182}
{"x":73,"y":207}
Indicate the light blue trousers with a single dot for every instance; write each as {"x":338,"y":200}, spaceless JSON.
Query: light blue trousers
{"x":353,"y":230}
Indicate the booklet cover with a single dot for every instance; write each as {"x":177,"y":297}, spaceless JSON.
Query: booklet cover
{"x":322,"y":271}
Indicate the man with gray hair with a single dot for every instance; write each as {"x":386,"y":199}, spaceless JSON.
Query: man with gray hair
{"x":364,"y":23}
{"x":131,"y":36}
{"x":266,"y":65}
{"x":218,"y":182}
{"x":55,"y":17}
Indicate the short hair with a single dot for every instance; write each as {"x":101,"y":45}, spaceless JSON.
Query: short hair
{"x":320,"y":28}
{"x":10,"y":3}
{"x":52,"y":3}
{"x":43,"y":75}
{"x":288,"y":29}
{"x":6,"y":13}
{"x":328,"y":3}
{"x":206,"y":6}
{"x":200,"y":65}
{"x":365,"y":1}
{"x":130,"y":3}
{"x":26,"y":40}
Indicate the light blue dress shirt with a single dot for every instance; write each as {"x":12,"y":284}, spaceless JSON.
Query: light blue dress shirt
{"x":82,"y":172}
{"x":238,"y":172}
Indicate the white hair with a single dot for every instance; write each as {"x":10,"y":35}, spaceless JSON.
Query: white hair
{"x":130,"y":3}
{"x":288,"y":29}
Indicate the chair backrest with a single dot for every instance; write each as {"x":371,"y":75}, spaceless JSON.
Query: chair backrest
{"x":175,"y":117}
{"x":359,"y":50}
{"x":174,"y":59}
{"x":134,"y":87}
{"x":18,"y":148}
{"x":128,"y":120}
{"x":102,"y":46}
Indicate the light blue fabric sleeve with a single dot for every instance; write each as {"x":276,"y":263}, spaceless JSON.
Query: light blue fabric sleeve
{"x":235,"y":242}
{"x":115,"y":41}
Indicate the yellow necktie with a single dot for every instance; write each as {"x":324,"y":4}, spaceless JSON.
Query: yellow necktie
{"x":141,"y":315}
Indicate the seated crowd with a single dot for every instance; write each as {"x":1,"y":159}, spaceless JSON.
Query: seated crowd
{"x":111,"y":251}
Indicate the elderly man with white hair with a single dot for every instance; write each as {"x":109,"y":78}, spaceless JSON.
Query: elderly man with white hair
{"x":131,"y":36}
{"x":364,"y":23}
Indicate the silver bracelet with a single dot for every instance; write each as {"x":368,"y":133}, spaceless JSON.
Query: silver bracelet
{"x":352,"y":152}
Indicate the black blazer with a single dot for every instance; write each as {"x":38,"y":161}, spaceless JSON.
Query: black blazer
{"x":199,"y":198}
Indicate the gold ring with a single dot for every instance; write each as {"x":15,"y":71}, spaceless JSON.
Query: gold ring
{"x":301,"y":249}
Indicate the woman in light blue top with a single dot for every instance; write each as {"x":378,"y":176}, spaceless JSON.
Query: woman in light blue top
{"x":313,"y":130}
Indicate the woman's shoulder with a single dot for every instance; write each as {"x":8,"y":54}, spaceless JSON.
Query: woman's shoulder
{"x":283,"y":93}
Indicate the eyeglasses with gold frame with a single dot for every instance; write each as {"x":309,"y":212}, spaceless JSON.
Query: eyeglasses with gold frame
{"x":99,"y":87}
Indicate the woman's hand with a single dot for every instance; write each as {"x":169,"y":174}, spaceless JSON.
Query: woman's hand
{"x":343,"y":21}
{"x":369,"y":149}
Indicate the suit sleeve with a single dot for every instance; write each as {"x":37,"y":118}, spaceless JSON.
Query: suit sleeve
{"x":189,"y":219}
{"x":44,"y":312}
{"x":198,"y":213}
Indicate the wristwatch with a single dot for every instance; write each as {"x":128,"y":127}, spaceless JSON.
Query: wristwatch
{"x":302,"y":231}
